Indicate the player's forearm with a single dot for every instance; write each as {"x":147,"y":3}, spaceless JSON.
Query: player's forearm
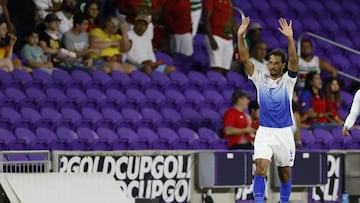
{"x":293,"y":59}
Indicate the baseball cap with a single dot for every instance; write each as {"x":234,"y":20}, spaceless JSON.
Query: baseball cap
{"x":143,"y":18}
{"x":51,"y":18}
{"x":238,"y":94}
{"x":255,"y":26}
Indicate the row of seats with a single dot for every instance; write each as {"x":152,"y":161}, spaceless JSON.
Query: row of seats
{"x":319,"y":138}
{"x":84,"y":136}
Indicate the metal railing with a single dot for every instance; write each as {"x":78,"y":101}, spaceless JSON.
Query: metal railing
{"x":26,"y":165}
{"x":318,"y":37}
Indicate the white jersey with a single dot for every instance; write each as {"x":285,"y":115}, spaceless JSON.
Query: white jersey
{"x":141,"y":49}
{"x":306,"y":67}
{"x":354,"y":111}
{"x":262,"y":66}
{"x":274,"y":98}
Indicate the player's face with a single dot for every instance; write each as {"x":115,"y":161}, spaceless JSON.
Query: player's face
{"x":275,"y":66}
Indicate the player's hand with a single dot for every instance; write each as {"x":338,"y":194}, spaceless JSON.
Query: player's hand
{"x":345,"y":131}
{"x":285,"y":28}
{"x":243,"y":27}
{"x":213,"y":43}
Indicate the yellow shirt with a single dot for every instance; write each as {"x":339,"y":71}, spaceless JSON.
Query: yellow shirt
{"x":110,"y":51}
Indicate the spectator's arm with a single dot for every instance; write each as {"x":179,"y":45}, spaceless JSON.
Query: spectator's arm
{"x":229,"y":130}
{"x":7,"y":16}
{"x":125,"y":43}
{"x":48,"y":50}
{"x":97,"y":43}
{"x":327,"y":67}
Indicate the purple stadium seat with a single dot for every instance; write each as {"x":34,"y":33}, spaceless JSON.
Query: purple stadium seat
{"x":56,"y":93}
{"x":155,"y":95}
{"x":176,"y":96}
{"x":183,"y":63}
{"x":5,"y":77}
{"x":192,"y":138}
{"x":344,"y":142}
{"x":92,"y":138}
{"x":111,"y":114}
{"x":42,"y":76}
{"x":8,"y":141}
{"x":212,"y":117}
{"x":213,"y":139}
{"x":71,"y":114}
{"x":81,"y":76}
{"x":91,"y":114}
{"x":194,"y":96}
{"x":74,"y":142}
{"x":140,"y":78}
{"x":122,"y":78}
{"x":131,"y":114}
{"x":30,"y":113}
{"x":50,"y":113}
{"x":346,"y":100}
{"x":164,"y":57}
{"x":216,"y":78}
{"x":136,"y":142}
{"x":160,"y":79}
{"x":61,"y":76}
{"x":199,"y":79}
{"x":10,"y":114}
{"x":15,"y":94}
{"x":22,"y":76}
{"x":155,"y":142}
{"x":173,"y":138}
{"x":35,"y":93}
{"x":135,"y":94}
{"x":96,"y":94}
{"x":326,"y":138}
{"x":235,"y":79}
{"x":213,"y":96}
{"x":309,"y":140}
{"x":23,"y":131}
{"x":102,"y":77}
{"x":193,"y":116}
{"x":75,"y":93}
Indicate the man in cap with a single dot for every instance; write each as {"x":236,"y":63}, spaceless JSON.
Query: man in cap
{"x":141,"y":52}
{"x":49,"y":38}
{"x":237,"y":124}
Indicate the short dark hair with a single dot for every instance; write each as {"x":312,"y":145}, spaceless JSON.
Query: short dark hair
{"x":79,"y":18}
{"x":279,"y":52}
{"x":253,"y":105}
{"x":32,"y":31}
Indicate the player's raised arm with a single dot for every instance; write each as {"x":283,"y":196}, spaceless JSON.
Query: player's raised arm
{"x":244,"y":53}
{"x":287,"y":31}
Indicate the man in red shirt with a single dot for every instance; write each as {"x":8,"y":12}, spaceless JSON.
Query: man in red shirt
{"x":176,"y":15}
{"x":219,"y":25}
{"x":237,"y":124}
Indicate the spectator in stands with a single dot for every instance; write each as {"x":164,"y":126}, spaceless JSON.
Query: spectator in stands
{"x":308,"y":62}
{"x":237,"y":124}
{"x":91,"y":11}
{"x":253,"y":35}
{"x":258,"y":55}
{"x":196,"y":10}
{"x":141,"y":52}
{"x":312,"y":102}
{"x":219,"y":26}
{"x":4,"y":12}
{"x":34,"y":54}
{"x":68,"y":9}
{"x":333,"y":99}
{"x":45,"y":7}
{"x":297,"y":122}
{"x":49,"y":38}
{"x":77,"y":40}
{"x":106,"y":38}
{"x":133,"y":8}
{"x":354,"y":113}
{"x":177,"y":20}
{"x":7,"y":43}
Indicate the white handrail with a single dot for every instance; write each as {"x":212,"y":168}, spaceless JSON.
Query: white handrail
{"x":332,"y":43}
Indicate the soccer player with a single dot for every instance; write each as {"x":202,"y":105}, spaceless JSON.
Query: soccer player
{"x":274,"y":93}
{"x":354,"y":113}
